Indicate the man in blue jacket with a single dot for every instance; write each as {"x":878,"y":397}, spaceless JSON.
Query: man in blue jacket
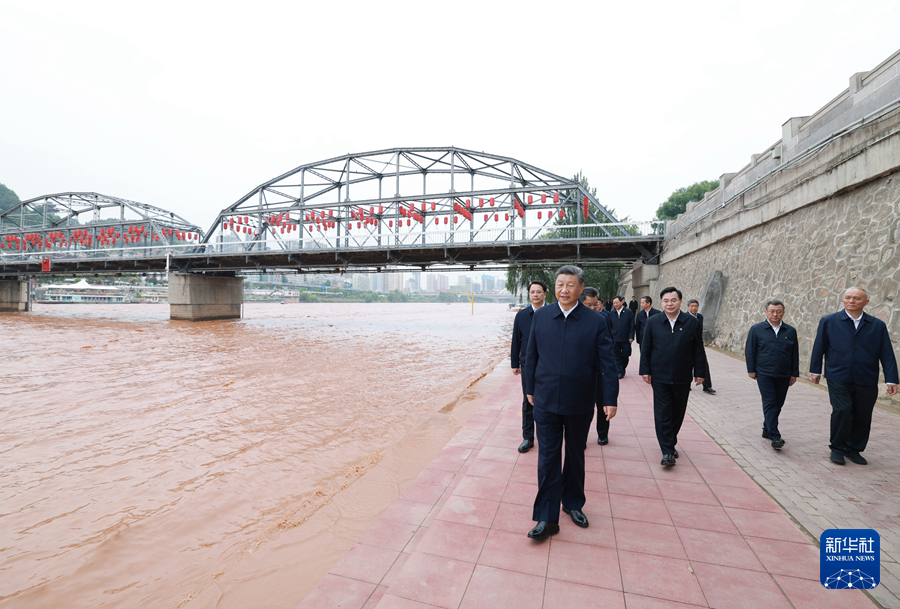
{"x":852,"y":343}
{"x":623,"y":332}
{"x":537,"y":292}
{"x":773,"y":359}
{"x":640,"y":318}
{"x":568,"y":343}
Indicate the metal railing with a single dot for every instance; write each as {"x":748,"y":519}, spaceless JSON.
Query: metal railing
{"x":357,"y":239}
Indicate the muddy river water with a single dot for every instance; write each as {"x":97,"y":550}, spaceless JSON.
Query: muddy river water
{"x":140,"y":456}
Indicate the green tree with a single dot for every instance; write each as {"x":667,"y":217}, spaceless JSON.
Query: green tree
{"x":603,"y":276}
{"x":8,"y":198}
{"x":446,"y":297}
{"x":396,"y":296}
{"x":678,"y":200}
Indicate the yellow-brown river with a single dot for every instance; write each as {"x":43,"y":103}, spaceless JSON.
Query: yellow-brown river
{"x":142,"y":458}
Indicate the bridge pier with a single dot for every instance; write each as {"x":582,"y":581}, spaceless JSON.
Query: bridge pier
{"x":195,"y":297}
{"x":14,"y":296}
{"x":645,"y":280}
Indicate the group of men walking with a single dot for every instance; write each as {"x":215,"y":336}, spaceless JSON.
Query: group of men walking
{"x":572,"y":354}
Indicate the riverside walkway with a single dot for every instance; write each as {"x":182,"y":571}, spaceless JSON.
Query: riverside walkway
{"x":733,"y":525}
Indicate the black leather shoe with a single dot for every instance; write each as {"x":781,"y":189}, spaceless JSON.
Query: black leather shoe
{"x":602,"y":441}
{"x":765,"y":433}
{"x":675,"y":454}
{"x":857,"y":458}
{"x":777,"y":442}
{"x":710,"y":391}
{"x":526,"y":445}
{"x":621,"y":376}
{"x":543,"y":530}
{"x":578,"y":517}
{"x":668,"y":460}
{"x":837,"y":457}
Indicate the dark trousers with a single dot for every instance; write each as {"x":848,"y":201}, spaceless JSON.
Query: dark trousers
{"x":773,"y":390}
{"x":707,"y":382}
{"x":558,"y":481}
{"x":851,"y":415}
{"x":669,"y":406}
{"x":623,"y":352}
{"x":602,"y":423}
{"x":527,"y":413}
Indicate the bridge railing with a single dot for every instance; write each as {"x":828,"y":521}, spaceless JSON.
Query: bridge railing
{"x":355,"y":240}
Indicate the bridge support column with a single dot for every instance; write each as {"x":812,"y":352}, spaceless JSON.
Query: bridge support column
{"x":14,"y":296}
{"x":202,"y":297}
{"x":645,"y":280}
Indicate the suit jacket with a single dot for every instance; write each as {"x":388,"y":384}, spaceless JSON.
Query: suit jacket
{"x":521,"y":330}
{"x":640,"y":320}
{"x":633,"y":306}
{"x":768,"y":354}
{"x":565,"y":356}
{"x":622,"y":325}
{"x":852,"y":355}
{"x":673,"y":356}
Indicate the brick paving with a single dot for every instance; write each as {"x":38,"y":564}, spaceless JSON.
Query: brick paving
{"x":817,"y":494}
{"x":701,"y":534}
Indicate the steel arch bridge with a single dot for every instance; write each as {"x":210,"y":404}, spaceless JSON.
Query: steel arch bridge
{"x":422,"y":207}
{"x":416,"y":208}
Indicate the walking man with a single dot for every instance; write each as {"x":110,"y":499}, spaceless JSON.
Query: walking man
{"x":633,"y":305}
{"x":568,"y":349}
{"x":671,"y":352}
{"x":623,"y":332}
{"x":694,"y":309}
{"x":590,"y":297}
{"x":773,"y":359}
{"x":640,"y":319}
{"x":537,"y":292}
{"x":852,"y":343}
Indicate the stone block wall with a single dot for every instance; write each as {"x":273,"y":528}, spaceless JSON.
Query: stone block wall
{"x":806,"y":258}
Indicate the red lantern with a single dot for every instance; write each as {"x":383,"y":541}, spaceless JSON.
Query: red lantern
{"x":492,"y":201}
{"x":507,"y":216}
{"x":556,"y":197}
{"x":446,"y":220}
{"x":391,"y":223}
{"x":539,"y":215}
{"x":562,"y":213}
{"x":530,"y":199}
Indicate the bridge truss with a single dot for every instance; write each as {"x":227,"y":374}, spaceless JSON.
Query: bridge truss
{"x":91,"y":223}
{"x":416,"y":208}
{"x":398,"y":206}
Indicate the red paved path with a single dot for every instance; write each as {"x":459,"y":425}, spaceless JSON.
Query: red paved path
{"x":700,"y":534}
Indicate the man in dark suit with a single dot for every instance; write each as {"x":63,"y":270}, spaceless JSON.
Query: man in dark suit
{"x":537,"y":293}
{"x":852,"y":343}
{"x":633,"y":305}
{"x":640,"y":319}
{"x":568,"y":349}
{"x":590,"y":297}
{"x":608,"y":305}
{"x":694,"y":309}
{"x":623,"y":332}
{"x":773,"y":359}
{"x":671,"y":352}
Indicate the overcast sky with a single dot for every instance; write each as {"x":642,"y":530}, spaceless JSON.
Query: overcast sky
{"x":190,"y":105}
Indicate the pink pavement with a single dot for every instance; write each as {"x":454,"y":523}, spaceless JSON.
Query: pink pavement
{"x":700,"y":534}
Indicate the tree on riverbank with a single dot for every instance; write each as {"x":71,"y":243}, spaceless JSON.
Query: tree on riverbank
{"x":600,"y":275}
{"x":8,"y":198}
{"x":678,"y":200}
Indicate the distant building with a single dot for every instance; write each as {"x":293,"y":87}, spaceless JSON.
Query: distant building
{"x":360,"y":281}
{"x":393,"y":282}
{"x":488,"y":283}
